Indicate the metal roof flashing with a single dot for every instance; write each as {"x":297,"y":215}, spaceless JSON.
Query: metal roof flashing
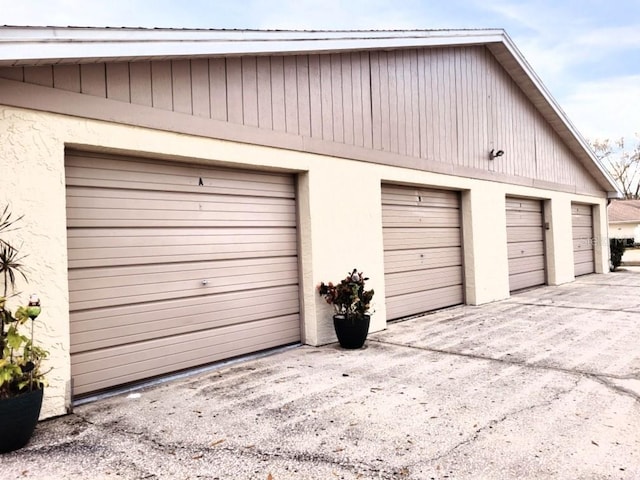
{"x":52,"y":45}
{"x":32,"y":45}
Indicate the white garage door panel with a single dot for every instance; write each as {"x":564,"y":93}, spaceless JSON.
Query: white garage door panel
{"x":416,"y":281}
{"x":407,"y":260}
{"x":525,"y":249}
{"x":525,"y":280}
{"x":192,"y":262}
{"x":175,"y":281}
{"x":409,"y":238}
{"x":583,"y":243}
{"x":525,"y":234}
{"x":422,"y":249}
{"x":93,"y":329}
{"x":117,"y":173}
{"x":525,"y":243}
{"x":125,"y":246}
{"x":428,"y":300}
{"x":142,"y":360}
{"x":525,"y":264}
{"x":407,"y":216}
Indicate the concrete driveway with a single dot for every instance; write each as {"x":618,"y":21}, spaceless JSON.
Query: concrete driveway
{"x":543,"y":385}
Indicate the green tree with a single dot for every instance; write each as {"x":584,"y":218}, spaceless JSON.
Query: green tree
{"x":622,"y":159}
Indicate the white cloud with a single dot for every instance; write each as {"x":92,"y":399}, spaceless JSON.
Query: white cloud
{"x":336,"y":14}
{"x":70,"y":13}
{"x":606,"y":109}
{"x":610,"y":38}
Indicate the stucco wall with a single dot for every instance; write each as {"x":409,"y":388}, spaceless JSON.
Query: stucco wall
{"x":622,"y":230}
{"x":339,"y":209}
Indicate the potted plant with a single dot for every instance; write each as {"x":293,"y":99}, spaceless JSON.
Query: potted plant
{"x":351,"y":302}
{"x":21,"y":377}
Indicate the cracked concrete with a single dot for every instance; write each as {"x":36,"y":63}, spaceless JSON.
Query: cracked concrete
{"x":543,"y":385}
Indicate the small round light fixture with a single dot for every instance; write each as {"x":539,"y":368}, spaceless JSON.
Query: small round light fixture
{"x":493,"y":153}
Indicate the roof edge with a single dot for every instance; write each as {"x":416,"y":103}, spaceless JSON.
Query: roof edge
{"x":42,"y":45}
{"x":32,"y":45}
{"x":615,"y":191}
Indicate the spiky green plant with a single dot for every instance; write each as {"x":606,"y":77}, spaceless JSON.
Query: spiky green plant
{"x":20,"y":358}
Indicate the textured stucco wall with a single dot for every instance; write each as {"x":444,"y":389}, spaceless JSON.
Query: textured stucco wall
{"x":339,"y":210}
{"x":622,"y":230}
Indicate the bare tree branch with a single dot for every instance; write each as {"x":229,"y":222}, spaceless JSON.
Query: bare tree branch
{"x":622,"y":162}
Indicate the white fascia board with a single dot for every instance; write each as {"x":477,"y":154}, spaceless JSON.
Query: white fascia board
{"x":39,"y":45}
{"x":615,"y":191}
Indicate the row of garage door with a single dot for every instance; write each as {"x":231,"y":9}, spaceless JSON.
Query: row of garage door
{"x":173,"y":266}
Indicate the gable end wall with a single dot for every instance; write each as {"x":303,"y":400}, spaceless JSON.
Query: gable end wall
{"x":427,"y":107}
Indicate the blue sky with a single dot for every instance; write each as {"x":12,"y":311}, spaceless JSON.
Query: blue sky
{"x":586,"y":52}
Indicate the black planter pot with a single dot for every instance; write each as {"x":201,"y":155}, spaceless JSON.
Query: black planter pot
{"x":351,"y":330}
{"x":18,"y":419}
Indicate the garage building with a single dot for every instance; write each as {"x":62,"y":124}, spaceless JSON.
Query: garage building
{"x":185,"y":191}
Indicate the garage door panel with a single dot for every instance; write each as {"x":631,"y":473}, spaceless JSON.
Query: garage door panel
{"x":214,"y":271}
{"x":582,"y":221}
{"x":524,"y":219}
{"x":524,"y":234}
{"x":522,"y":204}
{"x":142,"y":237}
{"x":583,"y":244}
{"x":134,"y":362}
{"x":582,"y":233}
{"x":525,"y":243}
{"x":583,"y":268}
{"x":96,"y":247}
{"x":411,"y":238}
{"x":581,"y":210}
{"x":204,"y":313}
{"x":127,"y":353}
{"x":526,"y":280}
{"x":422,"y":249}
{"x":418,"y":259}
{"x":185,"y":203}
{"x":117,"y":316}
{"x":584,"y":256}
{"x":411,"y":282}
{"x":149,"y":218}
{"x":166,"y":255}
{"x":525,"y":264}
{"x":420,"y":197}
{"x":164,"y":285}
{"x":525,"y":249}
{"x":411,"y":217}
{"x":102,"y":171}
{"x":410,"y":304}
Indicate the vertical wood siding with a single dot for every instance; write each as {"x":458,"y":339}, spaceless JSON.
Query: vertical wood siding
{"x":449,"y":105}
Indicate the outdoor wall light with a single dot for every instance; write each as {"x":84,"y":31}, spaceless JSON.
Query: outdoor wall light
{"x":493,"y":154}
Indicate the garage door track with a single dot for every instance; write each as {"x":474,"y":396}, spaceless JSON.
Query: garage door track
{"x":543,"y":385}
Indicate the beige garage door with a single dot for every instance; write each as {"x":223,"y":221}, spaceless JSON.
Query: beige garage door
{"x":174,"y":266}
{"x":422,"y":250}
{"x":582,"y":220}
{"x":525,"y":242}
